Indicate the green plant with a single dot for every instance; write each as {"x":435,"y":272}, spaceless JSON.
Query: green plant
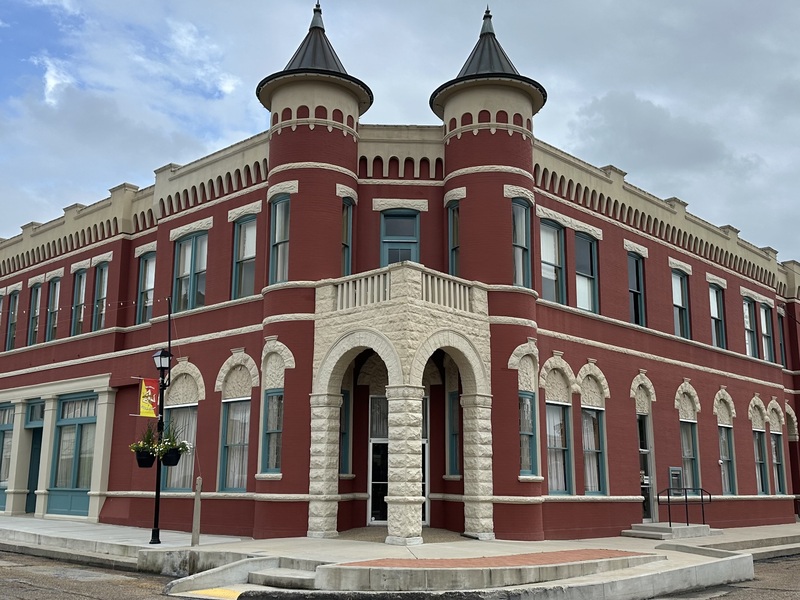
{"x":170,"y":440}
{"x":147,"y":441}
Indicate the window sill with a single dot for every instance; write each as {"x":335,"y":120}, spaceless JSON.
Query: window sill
{"x":451,"y":477}
{"x":346,"y":476}
{"x":530,"y":478}
{"x":269,"y":476}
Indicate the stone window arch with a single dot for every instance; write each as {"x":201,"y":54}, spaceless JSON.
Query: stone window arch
{"x":525,"y":360}
{"x":275,"y":359}
{"x":757,"y":413}
{"x":724,"y":408}
{"x":642,"y":392}
{"x":558,"y":379}
{"x":186,"y":384}
{"x":593,"y":386}
{"x":791,"y":423}
{"x":186,"y":390}
{"x":237,"y":376}
{"x":687,"y":402}
{"x":775,"y":416}
{"x":688,"y":405}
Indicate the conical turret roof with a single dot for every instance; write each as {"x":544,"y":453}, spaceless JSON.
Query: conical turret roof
{"x":315,"y":59}
{"x":488,"y":63}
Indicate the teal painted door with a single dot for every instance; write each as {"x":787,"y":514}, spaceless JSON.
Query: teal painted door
{"x":33,"y":469}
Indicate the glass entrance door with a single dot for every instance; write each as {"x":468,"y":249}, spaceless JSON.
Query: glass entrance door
{"x":378,"y":459}
{"x":646,"y":468}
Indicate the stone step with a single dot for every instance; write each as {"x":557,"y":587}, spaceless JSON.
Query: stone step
{"x":279,"y":577}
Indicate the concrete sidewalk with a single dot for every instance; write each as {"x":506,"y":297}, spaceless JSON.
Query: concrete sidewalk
{"x":357,"y":561}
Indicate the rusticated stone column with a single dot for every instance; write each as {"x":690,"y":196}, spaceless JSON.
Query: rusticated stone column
{"x":478,"y":486}
{"x":405,"y":498}
{"x":323,"y":475}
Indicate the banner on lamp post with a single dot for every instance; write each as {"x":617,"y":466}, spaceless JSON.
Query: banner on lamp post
{"x":148,"y":398}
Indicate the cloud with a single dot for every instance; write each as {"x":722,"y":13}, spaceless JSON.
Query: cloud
{"x":68,"y":6}
{"x":56,"y":77}
{"x":4,"y":24}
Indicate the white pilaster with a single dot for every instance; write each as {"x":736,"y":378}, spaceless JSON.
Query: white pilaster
{"x":18,"y":472}
{"x":101,"y":462}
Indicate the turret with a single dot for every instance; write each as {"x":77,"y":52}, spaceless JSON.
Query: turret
{"x":313,"y":157}
{"x":488,"y":134}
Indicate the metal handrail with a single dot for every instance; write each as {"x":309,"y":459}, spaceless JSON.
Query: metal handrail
{"x":696,"y":492}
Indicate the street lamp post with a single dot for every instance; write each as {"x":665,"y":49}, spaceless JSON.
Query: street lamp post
{"x":162,"y":359}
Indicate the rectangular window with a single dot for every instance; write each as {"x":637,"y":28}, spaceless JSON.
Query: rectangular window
{"x":6,"y":441}
{"x":453,"y":433}
{"x":781,"y":340}
{"x":347,"y":236}
{"x":453,"y":236}
{"x":558,"y":457}
{"x":399,"y":236}
{"x":75,"y":429}
{"x":279,"y":241}
{"x":586,"y":272}
{"x":244,"y":262}
{"x":726,"y":460}
{"x":273,"y":430}
{"x":680,"y":303}
{"x":78,"y":302}
{"x":100,"y":294}
{"x":767,"y":346}
{"x":147,"y":286}
{"x":52,"y":309}
{"x":593,"y":461}
{"x":636,"y":288}
{"x":520,"y":239}
{"x":183,"y":421}
{"x":750,"y":335}
{"x":235,"y":435}
{"x":191,"y":258}
{"x":527,"y":433}
{"x":552,"y":242}
{"x":691,"y":476}
{"x":776,"y":440}
{"x":344,"y":434}
{"x":33,"y":315}
{"x":13,"y":309}
{"x":717,"y":305}
{"x":760,"y":451}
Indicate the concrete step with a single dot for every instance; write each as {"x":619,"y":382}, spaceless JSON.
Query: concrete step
{"x":749,"y":545}
{"x":664,"y":531}
{"x":767,"y":552}
{"x":647,"y":535}
{"x":280,"y":577}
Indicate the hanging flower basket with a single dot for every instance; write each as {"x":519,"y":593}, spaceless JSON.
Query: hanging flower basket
{"x":170,"y":457}
{"x":145,"y":459}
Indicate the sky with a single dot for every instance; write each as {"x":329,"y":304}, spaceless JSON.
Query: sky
{"x":697,"y":100}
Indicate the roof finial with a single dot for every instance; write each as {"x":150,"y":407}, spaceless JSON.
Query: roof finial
{"x":316,"y":21}
{"x":487,"y":22}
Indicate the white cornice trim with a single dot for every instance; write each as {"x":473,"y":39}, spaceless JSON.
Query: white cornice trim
{"x":674,"y":263}
{"x":248,"y":209}
{"x":342,"y":191}
{"x":284,"y":187}
{"x":515,"y":191}
{"x":723,"y":283}
{"x":381,"y":204}
{"x":455,"y":194}
{"x":201,"y":225}
{"x":489,"y":169}
{"x":144,"y":249}
{"x":102,"y":258}
{"x":637,"y":248}
{"x":568,"y":222}
{"x":757,"y":297}
{"x":312,"y":165}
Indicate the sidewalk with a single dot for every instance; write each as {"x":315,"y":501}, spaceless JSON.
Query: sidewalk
{"x":358,"y":561}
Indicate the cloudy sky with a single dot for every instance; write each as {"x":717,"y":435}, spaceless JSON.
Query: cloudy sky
{"x":699,"y":100}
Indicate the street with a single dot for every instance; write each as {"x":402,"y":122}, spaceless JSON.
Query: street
{"x":31,"y":578}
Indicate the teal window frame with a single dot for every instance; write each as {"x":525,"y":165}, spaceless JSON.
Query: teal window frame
{"x":228,"y":445}
{"x":273,"y":430}
{"x":280,"y":208}
{"x":727,"y":459}
{"x":347,"y":236}
{"x":597,"y":454}
{"x":781,"y":340}
{"x":6,"y":448}
{"x":778,"y":474}
{"x":521,"y":241}
{"x":34,"y":414}
{"x":716,"y":300}
{"x":100,"y":296}
{"x":760,"y":454}
{"x":586,"y":272}
{"x":556,"y":292}
{"x":78,"y":302}
{"x":690,"y":459}
{"x":53,"y":299}
{"x":13,"y":314}
{"x":636,"y":289}
{"x":767,"y":338}
{"x":193,"y":276}
{"x":750,"y":331}
{"x":344,"y":434}
{"x":453,"y":433}
{"x":244,"y":258}
{"x":563,"y":450}
{"x":680,"y":304}
{"x":453,"y":238}
{"x":68,"y":493}
{"x":394,"y":242}
{"x":34,"y":314}
{"x":527,"y":434}
{"x":146,"y":288}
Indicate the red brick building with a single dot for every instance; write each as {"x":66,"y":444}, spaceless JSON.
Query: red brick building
{"x":454,"y":326}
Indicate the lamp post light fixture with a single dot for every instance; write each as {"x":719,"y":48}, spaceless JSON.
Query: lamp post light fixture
{"x":162,"y":359}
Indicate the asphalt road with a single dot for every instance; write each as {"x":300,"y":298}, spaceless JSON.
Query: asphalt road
{"x":31,"y":578}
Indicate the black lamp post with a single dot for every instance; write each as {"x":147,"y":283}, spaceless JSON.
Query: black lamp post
{"x":162,"y":359}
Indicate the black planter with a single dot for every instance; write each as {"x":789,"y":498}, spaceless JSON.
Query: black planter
{"x":144,"y":459}
{"x":171,"y":457}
